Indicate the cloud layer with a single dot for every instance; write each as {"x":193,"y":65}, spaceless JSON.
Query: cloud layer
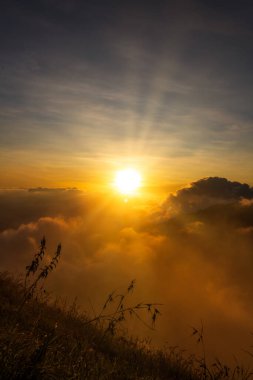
{"x":207,"y":192}
{"x":197,"y":263}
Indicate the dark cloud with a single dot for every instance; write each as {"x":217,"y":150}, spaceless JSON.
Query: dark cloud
{"x":47,"y":190}
{"x":205,"y":193}
{"x":25,"y":206}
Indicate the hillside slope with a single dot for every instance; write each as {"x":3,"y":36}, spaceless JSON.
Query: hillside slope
{"x":41,"y":340}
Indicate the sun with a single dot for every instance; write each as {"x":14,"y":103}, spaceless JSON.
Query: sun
{"x":127,"y":181}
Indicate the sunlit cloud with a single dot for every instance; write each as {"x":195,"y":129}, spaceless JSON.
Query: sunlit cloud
{"x":192,"y":263}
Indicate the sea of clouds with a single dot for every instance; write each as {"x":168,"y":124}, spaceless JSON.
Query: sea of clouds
{"x":193,"y":254}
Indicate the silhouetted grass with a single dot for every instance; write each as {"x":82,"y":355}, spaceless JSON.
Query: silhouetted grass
{"x":41,"y":339}
{"x":47,"y":341}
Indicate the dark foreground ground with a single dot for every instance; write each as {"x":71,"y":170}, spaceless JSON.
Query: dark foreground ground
{"x":41,"y":339}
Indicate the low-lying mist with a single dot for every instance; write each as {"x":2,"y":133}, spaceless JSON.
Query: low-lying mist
{"x":193,"y":254}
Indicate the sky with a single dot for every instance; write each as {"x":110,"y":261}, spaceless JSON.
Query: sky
{"x":88,"y":87}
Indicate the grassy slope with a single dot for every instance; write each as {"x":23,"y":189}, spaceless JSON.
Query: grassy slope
{"x":44,"y":341}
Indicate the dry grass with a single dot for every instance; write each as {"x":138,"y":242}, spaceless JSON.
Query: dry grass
{"x":40,"y":339}
{"x":45,"y":341}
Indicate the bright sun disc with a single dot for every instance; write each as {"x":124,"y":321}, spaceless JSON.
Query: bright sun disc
{"x":127,"y":181}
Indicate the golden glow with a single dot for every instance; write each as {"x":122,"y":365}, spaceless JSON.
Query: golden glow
{"x":127,"y":181}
